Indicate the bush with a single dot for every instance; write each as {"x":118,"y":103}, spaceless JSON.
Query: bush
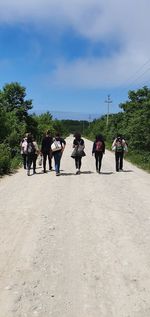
{"x":16,"y":162}
{"x":141,"y":160}
{"x":5,"y":159}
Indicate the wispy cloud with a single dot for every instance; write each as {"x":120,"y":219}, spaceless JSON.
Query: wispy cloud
{"x":93,"y":73}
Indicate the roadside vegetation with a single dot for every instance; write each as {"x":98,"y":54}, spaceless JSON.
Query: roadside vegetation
{"x":133,"y":123}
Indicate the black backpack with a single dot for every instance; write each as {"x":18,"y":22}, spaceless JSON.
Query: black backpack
{"x":30,"y":148}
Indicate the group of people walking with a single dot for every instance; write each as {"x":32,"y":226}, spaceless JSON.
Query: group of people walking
{"x":29,"y":152}
{"x":50,"y":147}
{"x":54,"y":147}
{"x":98,"y":150}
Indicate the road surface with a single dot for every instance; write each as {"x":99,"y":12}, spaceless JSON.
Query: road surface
{"x":75,"y":245}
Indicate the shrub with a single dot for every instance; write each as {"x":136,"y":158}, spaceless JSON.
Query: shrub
{"x":5,"y":159}
{"x":16,"y":162}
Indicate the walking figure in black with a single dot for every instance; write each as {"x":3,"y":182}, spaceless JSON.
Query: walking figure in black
{"x":46,"y":150}
{"x":98,"y":150}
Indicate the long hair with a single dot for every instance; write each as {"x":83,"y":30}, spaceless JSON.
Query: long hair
{"x":99,"y":137}
{"x":29,"y":138}
{"x":77,"y":136}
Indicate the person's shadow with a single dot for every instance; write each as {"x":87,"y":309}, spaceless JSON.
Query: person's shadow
{"x":86,"y":172}
{"x":106,"y":173}
{"x":127,"y":171}
{"x":66,"y":174}
{"x":70,"y":174}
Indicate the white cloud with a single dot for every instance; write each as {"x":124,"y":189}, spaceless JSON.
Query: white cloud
{"x":94,"y":19}
{"x":127,"y":21}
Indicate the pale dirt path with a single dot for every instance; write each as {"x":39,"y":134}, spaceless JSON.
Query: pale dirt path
{"x":75,"y":245}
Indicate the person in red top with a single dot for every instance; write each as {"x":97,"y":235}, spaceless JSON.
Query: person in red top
{"x":98,"y":150}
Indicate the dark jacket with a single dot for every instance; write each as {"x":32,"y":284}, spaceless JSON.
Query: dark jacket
{"x":46,"y":144}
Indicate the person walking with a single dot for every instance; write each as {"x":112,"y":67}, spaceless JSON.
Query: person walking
{"x":46,"y":150}
{"x":78,"y":153}
{"x":23,"y":147}
{"x":98,"y":149}
{"x":30,"y":153}
{"x":119,"y":146}
{"x":57,"y":148}
{"x":35,"y":154}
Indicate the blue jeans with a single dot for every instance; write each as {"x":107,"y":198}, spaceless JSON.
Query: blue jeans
{"x":57,"y":158}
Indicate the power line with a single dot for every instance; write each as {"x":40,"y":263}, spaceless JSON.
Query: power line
{"x":141,"y":67}
{"x":132,"y":76}
{"x":140,"y":76}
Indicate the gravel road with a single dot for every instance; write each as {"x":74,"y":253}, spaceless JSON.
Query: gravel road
{"x":75,"y":245}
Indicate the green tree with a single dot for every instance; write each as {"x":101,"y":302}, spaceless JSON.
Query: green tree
{"x":12,"y":98}
{"x":44,"y":122}
{"x":137,"y":119}
{"x":14,"y":122}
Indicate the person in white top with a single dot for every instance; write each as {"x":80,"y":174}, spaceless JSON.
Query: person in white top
{"x":23,"y":148}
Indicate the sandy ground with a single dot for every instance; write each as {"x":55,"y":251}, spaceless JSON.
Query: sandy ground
{"x":75,"y":245}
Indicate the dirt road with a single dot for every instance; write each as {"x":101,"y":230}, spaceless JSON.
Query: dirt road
{"x":75,"y":245}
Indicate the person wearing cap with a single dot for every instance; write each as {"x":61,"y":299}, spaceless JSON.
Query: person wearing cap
{"x":119,"y":146}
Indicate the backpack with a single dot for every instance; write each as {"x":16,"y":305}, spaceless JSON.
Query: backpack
{"x":119,"y":146}
{"x":99,"y":146}
{"x":30,"y":148}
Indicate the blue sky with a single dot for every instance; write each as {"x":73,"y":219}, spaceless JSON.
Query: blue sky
{"x":71,"y":54}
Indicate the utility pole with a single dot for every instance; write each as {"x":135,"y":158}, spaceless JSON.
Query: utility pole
{"x":108,"y":101}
